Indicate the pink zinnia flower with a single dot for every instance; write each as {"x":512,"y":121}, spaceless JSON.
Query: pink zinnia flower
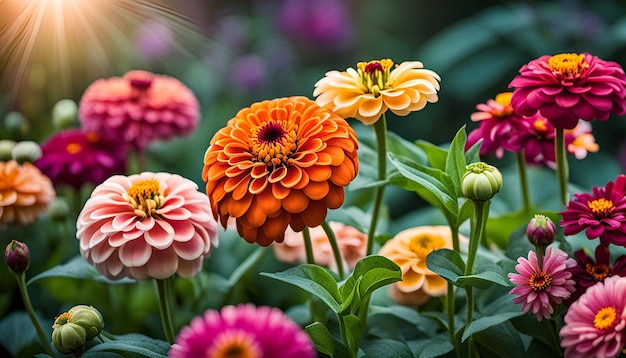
{"x":148,"y":225}
{"x":596,"y":323}
{"x":569,"y":86}
{"x":75,"y":157}
{"x":601,"y":214}
{"x":139,"y":108}
{"x":243,"y":331}
{"x":542,"y":286}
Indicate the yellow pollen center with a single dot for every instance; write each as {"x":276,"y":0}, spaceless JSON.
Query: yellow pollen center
{"x":62,"y":319}
{"x":605,"y":318}
{"x":275,"y":142}
{"x":145,"y":196}
{"x":568,"y":64}
{"x":374,"y":75}
{"x":504,"y":99}
{"x":73,"y":148}
{"x":540,"y":125}
{"x":424,"y":244}
{"x":598,"y":272}
{"x":237,"y":344}
{"x":539,"y":281}
{"x":601,"y":207}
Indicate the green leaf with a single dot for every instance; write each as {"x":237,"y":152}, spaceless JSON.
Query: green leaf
{"x":369,"y":274}
{"x":472,"y":155}
{"x":321,"y":337}
{"x":80,"y":269}
{"x":508,"y":342}
{"x":436,"y":155}
{"x":385,"y":348}
{"x":446,"y":263}
{"x":401,"y":147}
{"x":432,"y":347}
{"x":455,"y":161}
{"x":131,"y":343}
{"x":353,"y":331}
{"x":465,"y":211}
{"x":313,"y":279}
{"x":17,"y":332}
{"x":250,"y":263}
{"x":483,"y":323}
{"x":486,"y":274}
{"x":500,"y":228}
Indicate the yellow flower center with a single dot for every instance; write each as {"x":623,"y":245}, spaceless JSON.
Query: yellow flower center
{"x":503,"y":99}
{"x":539,"y":281}
{"x":601,"y":207}
{"x":273,"y":143}
{"x":61,"y":319}
{"x":145,"y":197}
{"x":540,"y":125}
{"x":238,"y":344}
{"x":424,"y":244}
{"x":605,"y":318}
{"x":374,"y":75}
{"x":568,"y":64}
{"x":598,"y":272}
{"x":73,"y":148}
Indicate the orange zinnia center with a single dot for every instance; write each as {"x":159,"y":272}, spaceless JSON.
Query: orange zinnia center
{"x":601,"y":207}
{"x":374,"y":75}
{"x":62,"y":319}
{"x":605,"y":318}
{"x":568,"y":64}
{"x":237,"y":344}
{"x":598,"y":272}
{"x":73,"y":148}
{"x":275,"y":142}
{"x":539,"y":281}
{"x":503,"y":99}
{"x":540,"y":125}
{"x":424,"y":244}
{"x":145,"y":197}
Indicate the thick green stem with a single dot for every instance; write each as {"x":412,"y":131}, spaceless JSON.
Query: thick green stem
{"x":333,"y":244}
{"x":562,"y":168}
{"x":163,"y":288}
{"x":476,"y":236}
{"x":380,"y":129}
{"x":523,"y":182}
{"x":308,"y":247}
{"x":21,"y":283}
{"x":450,"y":297}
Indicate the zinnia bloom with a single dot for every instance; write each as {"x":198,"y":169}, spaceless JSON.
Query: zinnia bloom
{"x":243,"y":331}
{"x":542,"y":286}
{"x":148,"y":225}
{"x":375,"y":86}
{"x":409,"y":249}
{"x":24,"y":193}
{"x":139,"y":108}
{"x":596,"y":322}
{"x":279,"y":163}
{"x":601,"y":213}
{"x":75,"y":157}
{"x":351,"y":242}
{"x":569,"y":86}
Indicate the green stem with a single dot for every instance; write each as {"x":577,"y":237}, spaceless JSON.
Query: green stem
{"x":380,"y":128}
{"x":333,"y":244}
{"x":450,"y":311}
{"x":21,"y":283}
{"x":523,"y":182}
{"x":163,"y":287}
{"x":308,"y":247}
{"x":562,"y":168}
{"x":476,"y":236}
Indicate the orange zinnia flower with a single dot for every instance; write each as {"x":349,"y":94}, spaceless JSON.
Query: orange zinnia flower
{"x":367,"y":92}
{"x":279,"y":163}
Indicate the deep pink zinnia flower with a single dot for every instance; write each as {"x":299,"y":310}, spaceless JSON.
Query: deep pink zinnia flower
{"x":243,"y":331}
{"x":540,"y":287}
{"x":569,"y":86}
{"x":601,"y":214}
{"x":139,"y":108}
{"x":148,"y":225}
{"x":595,"y":324}
{"x":75,"y":157}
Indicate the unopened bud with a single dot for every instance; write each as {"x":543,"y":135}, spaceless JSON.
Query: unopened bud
{"x":59,"y":209}
{"x":17,"y":256}
{"x":541,"y":231}
{"x":64,"y":113}
{"x":87,"y":317}
{"x":68,"y":337}
{"x":6,"y":147}
{"x":481,"y":181}
{"x":16,"y":124}
{"x":26,"y":151}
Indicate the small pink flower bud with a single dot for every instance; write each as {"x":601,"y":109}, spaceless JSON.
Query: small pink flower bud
{"x":17,"y":256}
{"x":541,"y":230}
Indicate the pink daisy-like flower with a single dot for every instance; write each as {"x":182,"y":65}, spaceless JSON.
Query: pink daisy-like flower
{"x":542,"y":286}
{"x":75,"y":157}
{"x":595,"y":324}
{"x":148,"y":225}
{"x":243,"y":331}
{"x":569,"y":86}
{"x":139,"y":108}
{"x":601,"y":214}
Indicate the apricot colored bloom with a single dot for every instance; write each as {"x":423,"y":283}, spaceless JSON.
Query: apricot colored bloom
{"x":580,"y":141}
{"x":75,"y":157}
{"x":351,"y":242}
{"x":368,"y":91}
{"x":148,"y":225}
{"x":596,"y":323}
{"x":601,"y":213}
{"x":408,"y":249}
{"x":24,"y":193}
{"x":243,"y":331}
{"x":139,"y":108}
{"x":279,"y":163}
{"x":541,"y":286}
{"x":570,"y":86}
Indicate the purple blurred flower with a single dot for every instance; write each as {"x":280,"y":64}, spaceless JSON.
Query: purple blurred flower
{"x":249,"y":72}
{"x":154,"y":39}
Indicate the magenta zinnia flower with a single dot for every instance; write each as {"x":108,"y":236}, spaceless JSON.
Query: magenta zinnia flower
{"x":601,"y":214}
{"x":243,"y":331}
{"x":596,"y":323}
{"x":75,"y":157}
{"x":569,"y":86}
{"x":148,"y":225}
{"x":139,"y":108}
{"x":542,"y":286}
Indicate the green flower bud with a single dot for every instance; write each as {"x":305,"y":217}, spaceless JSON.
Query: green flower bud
{"x":87,"y":317}
{"x":59,"y":209}
{"x":16,"y":124}
{"x":481,"y":181}
{"x":541,"y":231}
{"x":68,"y":337}
{"x":26,"y":151}
{"x":6,"y":147}
{"x":64,"y":113}
{"x":17,"y":256}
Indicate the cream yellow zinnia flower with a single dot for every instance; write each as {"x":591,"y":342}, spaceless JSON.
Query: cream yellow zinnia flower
{"x":375,"y":86}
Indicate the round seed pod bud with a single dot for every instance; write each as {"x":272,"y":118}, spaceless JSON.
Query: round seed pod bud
{"x":481,"y":181}
{"x":87,"y":317}
{"x":26,"y":151}
{"x":17,"y":256}
{"x":541,"y":231}
{"x":68,"y":337}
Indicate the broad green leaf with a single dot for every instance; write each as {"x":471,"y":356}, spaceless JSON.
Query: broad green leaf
{"x":321,"y":337}
{"x":369,"y":274}
{"x":138,"y":344}
{"x":455,"y":161}
{"x":249,"y":264}
{"x":436,"y":155}
{"x":17,"y":332}
{"x":313,"y":279}
{"x":500,"y":228}
{"x":465,"y":211}
{"x":437,"y":346}
{"x":446,"y":263}
{"x":386,"y":348}
{"x":353,"y":330}
{"x":80,"y":269}
{"x":483,"y":323}
{"x":472,"y":155}
{"x":486,"y":274}
{"x":508,"y":342}
{"x":402,"y":147}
